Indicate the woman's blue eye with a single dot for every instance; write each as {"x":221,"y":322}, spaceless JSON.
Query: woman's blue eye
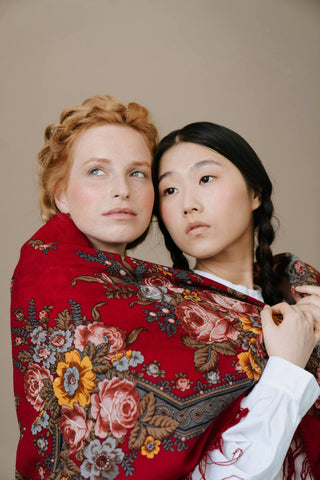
{"x":206,"y":179}
{"x":96,"y":171}
{"x":138,"y":173}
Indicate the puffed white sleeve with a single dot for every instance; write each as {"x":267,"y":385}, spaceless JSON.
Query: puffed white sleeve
{"x":255,"y":448}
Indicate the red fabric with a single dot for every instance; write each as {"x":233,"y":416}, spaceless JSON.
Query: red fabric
{"x":309,"y":430}
{"x":123,"y":367}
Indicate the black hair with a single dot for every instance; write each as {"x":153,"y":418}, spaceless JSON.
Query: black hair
{"x":232,"y":146}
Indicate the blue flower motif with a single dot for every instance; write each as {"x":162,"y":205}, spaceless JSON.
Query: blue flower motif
{"x":213,"y":376}
{"x":44,"y":354}
{"x":136,"y":358}
{"x":71,"y":380}
{"x":153,"y":369}
{"x":101,"y":460}
{"x":60,"y":341}
{"x":155,"y":293}
{"x":121,"y":365}
{"x":35,"y":428}
{"x":42,"y":421}
{"x":42,"y":444}
{"x":245,"y":343}
{"x":38,"y":336}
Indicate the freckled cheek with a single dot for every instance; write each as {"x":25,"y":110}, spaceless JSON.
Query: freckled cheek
{"x":82,"y":196}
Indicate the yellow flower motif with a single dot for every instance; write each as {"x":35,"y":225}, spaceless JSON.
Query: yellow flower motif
{"x":129,"y":354}
{"x":117,"y":357}
{"x":38,"y":417}
{"x":164,"y":271}
{"x":75,"y":380}
{"x":151,"y":447}
{"x":247,"y":325}
{"x":193,"y":296}
{"x":249,"y":366}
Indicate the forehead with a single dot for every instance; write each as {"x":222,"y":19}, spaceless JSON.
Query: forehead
{"x":111,"y":141}
{"x":187,"y":155}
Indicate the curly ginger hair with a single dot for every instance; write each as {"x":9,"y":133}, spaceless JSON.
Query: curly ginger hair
{"x":55,"y":157}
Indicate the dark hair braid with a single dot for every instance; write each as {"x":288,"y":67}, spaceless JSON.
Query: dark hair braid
{"x":177,"y":257}
{"x":267,"y":279}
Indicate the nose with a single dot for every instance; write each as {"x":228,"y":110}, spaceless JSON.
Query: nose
{"x":188,"y":210}
{"x":191,"y":203}
{"x":120,"y":187}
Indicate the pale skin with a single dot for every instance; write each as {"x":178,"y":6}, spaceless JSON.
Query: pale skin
{"x":109,"y":194}
{"x":299,"y":331}
{"x":207,"y":209}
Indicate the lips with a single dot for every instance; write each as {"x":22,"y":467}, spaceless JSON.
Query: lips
{"x":196,"y":228}
{"x":120,"y":212}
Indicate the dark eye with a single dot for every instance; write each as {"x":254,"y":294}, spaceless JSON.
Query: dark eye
{"x":169,"y":191}
{"x":206,"y":179}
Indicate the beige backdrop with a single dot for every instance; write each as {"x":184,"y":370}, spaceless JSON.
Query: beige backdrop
{"x":252,"y":65}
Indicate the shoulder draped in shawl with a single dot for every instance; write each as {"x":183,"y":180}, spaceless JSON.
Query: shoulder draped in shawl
{"x":127,"y":368}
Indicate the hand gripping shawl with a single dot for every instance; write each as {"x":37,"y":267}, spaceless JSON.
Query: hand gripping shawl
{"x":127,"y":368}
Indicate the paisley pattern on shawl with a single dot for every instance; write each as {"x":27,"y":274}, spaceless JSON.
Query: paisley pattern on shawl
{"x":123,"y":367}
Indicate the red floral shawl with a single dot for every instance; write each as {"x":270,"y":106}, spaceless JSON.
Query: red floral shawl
{"x":126,"y":368}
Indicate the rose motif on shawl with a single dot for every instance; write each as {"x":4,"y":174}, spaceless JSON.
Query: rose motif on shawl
{"x":204,"y":324}
{"x":299,"y":267}
{"x":74,"y":426}
{"x":156,"y":280}
{"x":115,"y":407}
{"x":33,"y":383}
{"x":235,"y":308}
{"x":183,"y":384}
{"x":98,"y":333}
{"x":155,"y":293}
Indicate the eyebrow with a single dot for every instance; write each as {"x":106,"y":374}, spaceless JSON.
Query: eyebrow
{"x":195,"y":166}
{"x":97,"y":159}
{"x":134,"y":163}
{"x":141,"y":163}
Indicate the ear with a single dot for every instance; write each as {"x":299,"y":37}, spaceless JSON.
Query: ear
{"x":255,"y":200}
{"x":61,"y":200}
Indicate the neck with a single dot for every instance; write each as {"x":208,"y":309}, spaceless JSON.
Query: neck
{"x":235,"y":270}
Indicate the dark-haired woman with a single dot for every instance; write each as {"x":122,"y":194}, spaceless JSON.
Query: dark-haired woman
{"x":213,"y":196}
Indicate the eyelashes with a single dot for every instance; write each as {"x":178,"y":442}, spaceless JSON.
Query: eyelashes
{"x":139,"y":174}
{"x":203,"y":180}
{"x":169,"y":191}
{"x":206,"y":179}
{"x":99,"y":171}
{"x":96,"y":172}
